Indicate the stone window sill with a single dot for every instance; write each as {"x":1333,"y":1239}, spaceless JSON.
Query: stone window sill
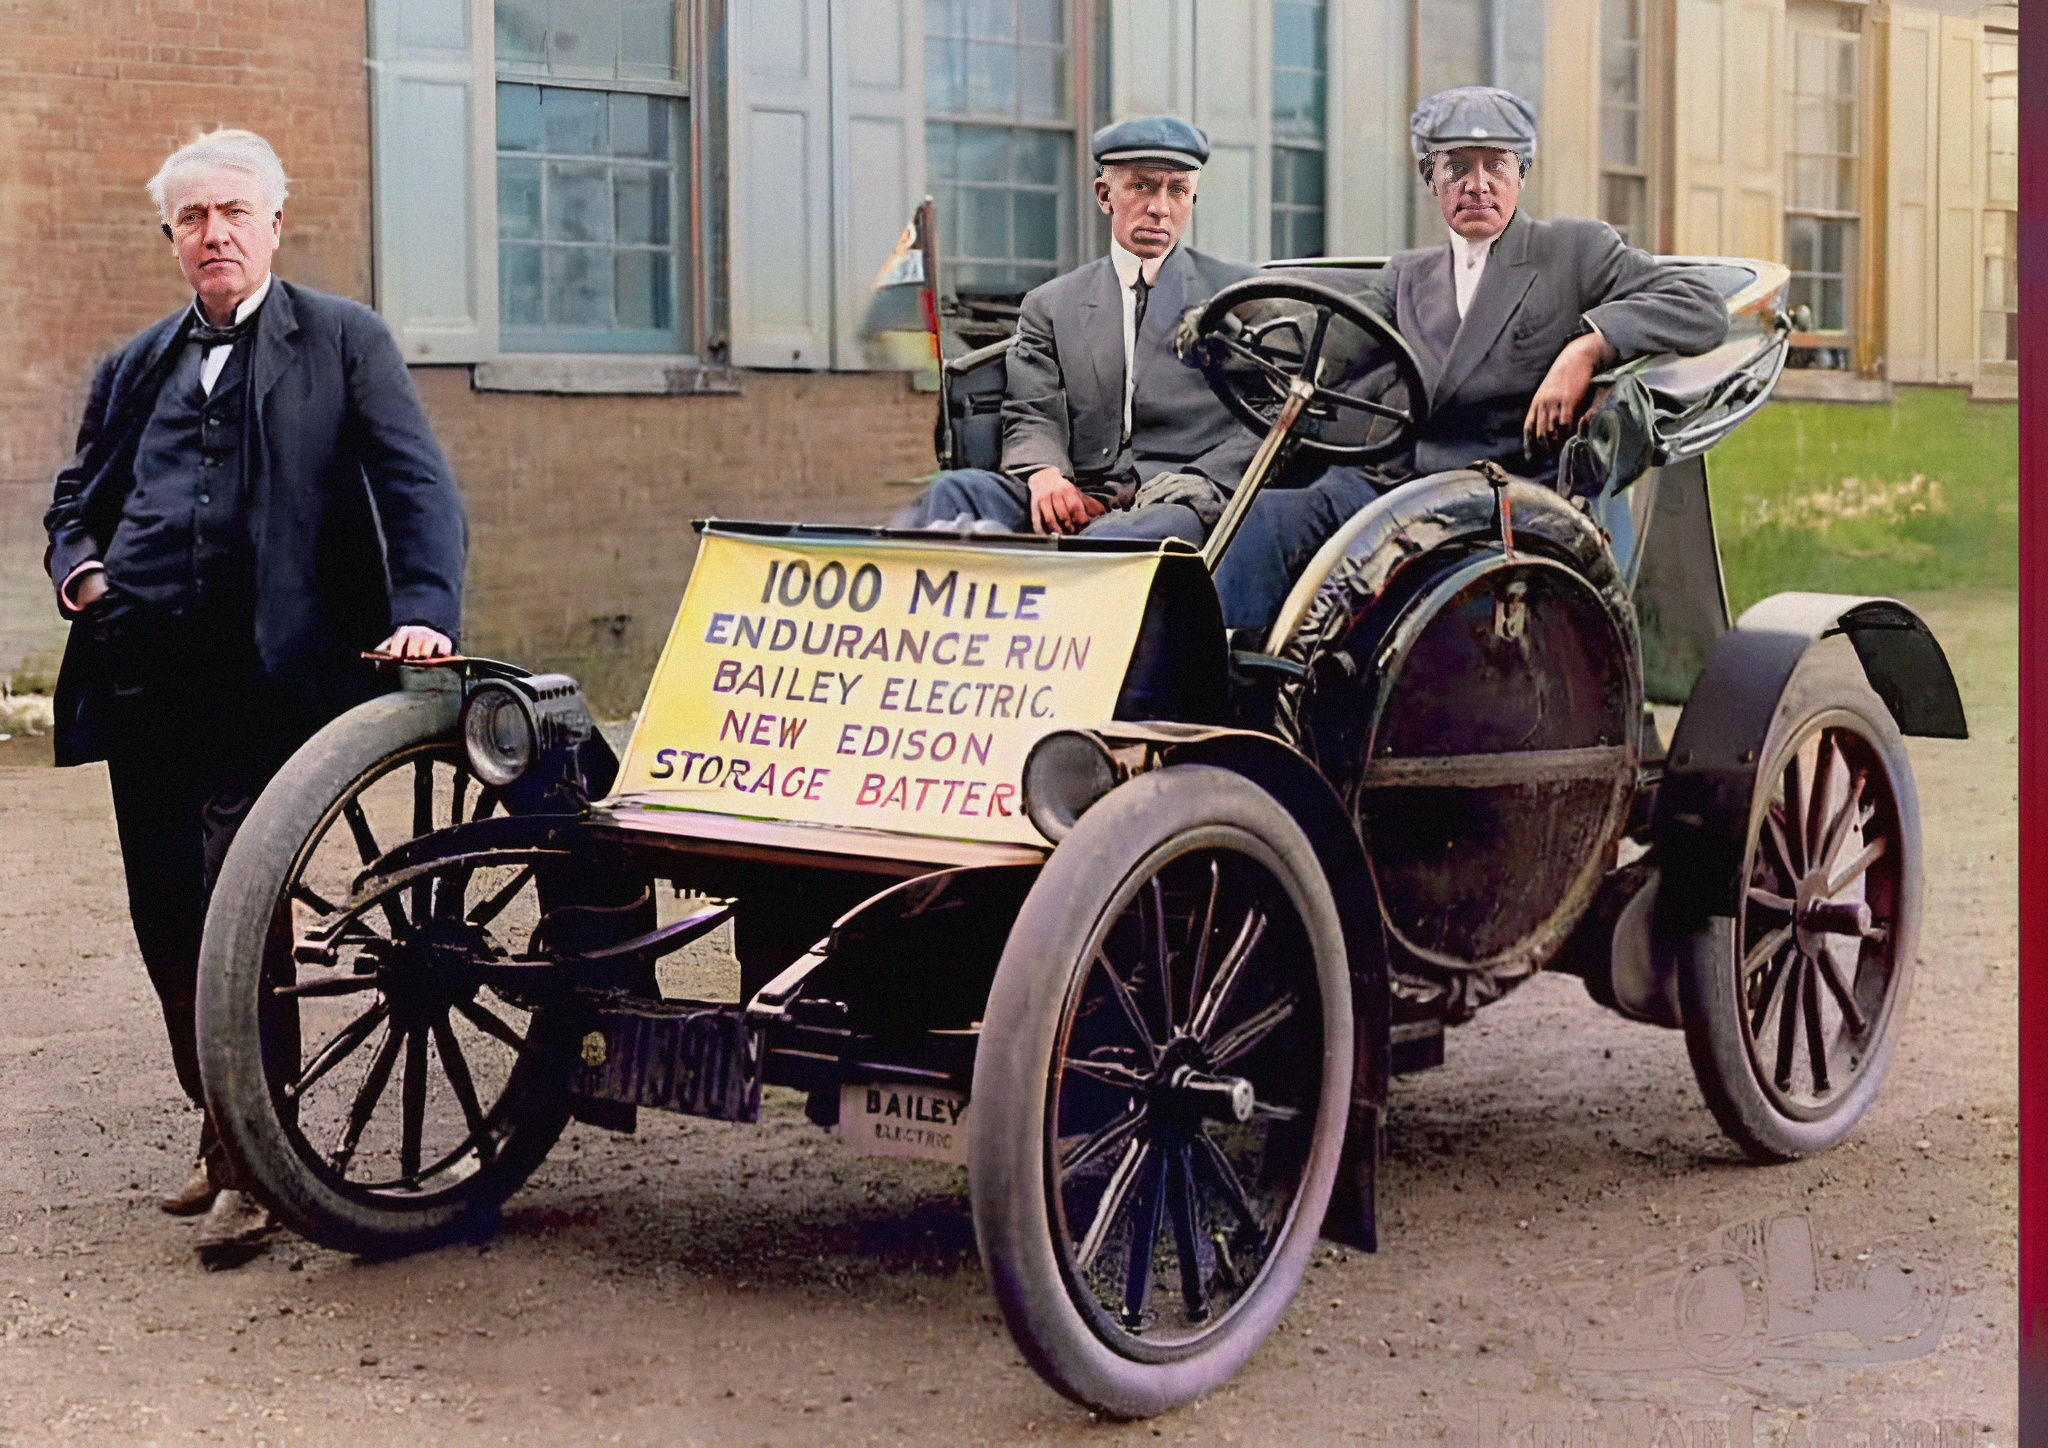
{"x":602,"y":374}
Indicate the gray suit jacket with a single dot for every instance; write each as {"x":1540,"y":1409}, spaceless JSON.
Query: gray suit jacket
{"x":1545,"y":282}
{"x":1063,"y":401}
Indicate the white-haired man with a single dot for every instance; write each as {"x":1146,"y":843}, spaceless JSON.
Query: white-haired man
{"x":256,"y":498}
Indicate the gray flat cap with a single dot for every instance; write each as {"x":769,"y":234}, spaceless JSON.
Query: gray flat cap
{"x":1167,"y":139}
{"x":1474,"y":115}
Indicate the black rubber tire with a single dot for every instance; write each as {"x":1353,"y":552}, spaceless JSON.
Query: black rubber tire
{"x":1707,"y":964}
{"x":1119,"y":844}
{"x":284,"y":823}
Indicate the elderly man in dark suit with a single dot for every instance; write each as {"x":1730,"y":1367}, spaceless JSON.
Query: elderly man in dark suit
{"x":255,"y":500}
{"x":1510,"y":320}
{"x":1099,"y":414}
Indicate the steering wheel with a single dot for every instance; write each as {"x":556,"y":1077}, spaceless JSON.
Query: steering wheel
{"x":1257,"y":338}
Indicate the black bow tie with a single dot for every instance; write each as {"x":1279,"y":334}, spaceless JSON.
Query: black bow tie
{"x":209,"y":336}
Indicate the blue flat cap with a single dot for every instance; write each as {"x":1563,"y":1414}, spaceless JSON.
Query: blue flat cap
{"x":1166,"y":139}
{"x":1474,"y":115}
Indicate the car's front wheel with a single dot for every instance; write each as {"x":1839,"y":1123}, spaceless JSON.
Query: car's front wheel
{"x":1160,"y":1091}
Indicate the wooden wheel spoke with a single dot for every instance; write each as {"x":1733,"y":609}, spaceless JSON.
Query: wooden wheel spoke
{"x":1223,"y":1176}
{"x":1207,"y":927}
{"x":412,"y":1100}
{"x":490,"y":909}
{"x":1854,"y":870}
{"x":1759,"y":896}
{"x":1765,"y":949}
{"x":1852,"y":1016}
{"x":490,"y":1025}
{"x":365,"y":1105}
{"x":1111,"y":1204}
{"x":1243,"y":1038}
{"x":422,"y":823}
{"x":330,"y":985}
{"x":458,"y":790}
{"x":1152,"y":916}
{"x":338,"y":1046}
{"x":1180,"y":1199}
{"x":1103,"y":1139}
{"x":1767,"y":989}
{"x":456,"y":1068}
{"x":1144,"y":1242}
{"x":486,"y":801}
{"x":1109,"y":1073}
{"x":1218,"y":997}
{"x":1816,"y":1043}
{"x":312,"y":899}
{"x":1851,"y":813}
{"x":1788,"y":866}
{"x":359,"y":826}
{"x":1266,"y":1110}
{"x":1813,"y":819}
{"x":1124,"y":1000}
{"x":1788,"y":1020}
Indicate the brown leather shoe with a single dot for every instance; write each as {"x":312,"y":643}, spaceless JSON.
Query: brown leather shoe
{"x":236,"y":1229}
{"x":194,"y":1197}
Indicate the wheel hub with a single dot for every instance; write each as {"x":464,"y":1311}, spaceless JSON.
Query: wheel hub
{"x":435,"y":967}
{"x":1182,"y":1092}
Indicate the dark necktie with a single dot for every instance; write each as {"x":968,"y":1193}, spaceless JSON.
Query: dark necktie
{"x":1142,"y":291}
{"x":209,"y":336}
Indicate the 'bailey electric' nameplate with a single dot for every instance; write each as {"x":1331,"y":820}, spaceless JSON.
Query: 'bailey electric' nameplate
{"x":904,"y":1121}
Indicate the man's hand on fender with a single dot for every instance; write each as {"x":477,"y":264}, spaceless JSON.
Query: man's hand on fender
{"x":417,"y":641}
{"x":1555,"y":410}
{"x":1057,"y":506}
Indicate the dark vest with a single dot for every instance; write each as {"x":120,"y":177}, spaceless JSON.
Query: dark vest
{"x":182,"y":548}
{"x":181,"y":568}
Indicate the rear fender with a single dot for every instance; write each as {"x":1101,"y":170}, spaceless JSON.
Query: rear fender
{"x":1304,"y":794}
{"x":1701,"y":819}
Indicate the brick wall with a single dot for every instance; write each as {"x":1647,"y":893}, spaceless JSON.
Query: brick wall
{"x":579,"y":506}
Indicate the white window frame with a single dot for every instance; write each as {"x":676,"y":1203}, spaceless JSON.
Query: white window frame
{"x":418,"y":226}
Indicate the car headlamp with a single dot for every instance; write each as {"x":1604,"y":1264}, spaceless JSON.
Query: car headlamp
{"x":508,"y":724}
{"x":1066,"y":772}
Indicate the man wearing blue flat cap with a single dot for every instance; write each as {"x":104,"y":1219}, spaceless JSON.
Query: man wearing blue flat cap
{"x":1099,"y":415}
{"x":1510,"y":321}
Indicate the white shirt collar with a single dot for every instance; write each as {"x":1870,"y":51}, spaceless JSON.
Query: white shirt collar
{"x":1470,"y":255}
{"x":1128,"y":264}
{"x":248,"y":304}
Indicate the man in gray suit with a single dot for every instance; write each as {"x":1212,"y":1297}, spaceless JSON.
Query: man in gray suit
{"x":1099,"y":414}
{"x":1511,"y":321}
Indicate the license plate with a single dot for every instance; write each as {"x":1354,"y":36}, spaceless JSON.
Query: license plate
{"x":913,"y":1121}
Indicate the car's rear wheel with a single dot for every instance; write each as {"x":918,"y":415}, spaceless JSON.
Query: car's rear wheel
{"x":1160,"y":1091}
{"x":1792,"y":1004}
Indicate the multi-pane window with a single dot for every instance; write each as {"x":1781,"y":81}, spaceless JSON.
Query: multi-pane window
{"x":999,"y":142}
{"x":1624,"y":148}
{"x":1300,"y":97}
{"x":1822,"y":210}
{"x":593,"y":180}
{"x":2000,"y":325}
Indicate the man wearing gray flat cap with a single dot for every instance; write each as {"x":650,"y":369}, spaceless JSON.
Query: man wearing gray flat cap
{"x":1100,"y":417}
{"x":1510,"y":320}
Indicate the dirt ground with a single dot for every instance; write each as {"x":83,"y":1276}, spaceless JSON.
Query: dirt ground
{"x":1556,"y":1204}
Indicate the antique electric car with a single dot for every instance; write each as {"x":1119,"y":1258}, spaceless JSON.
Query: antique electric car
{"x":1028,"y":866}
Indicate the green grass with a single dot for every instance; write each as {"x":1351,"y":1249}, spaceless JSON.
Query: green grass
{"x":1919,"y":495}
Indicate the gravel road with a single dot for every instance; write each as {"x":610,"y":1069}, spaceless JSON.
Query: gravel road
{"x":1554,"y":1195}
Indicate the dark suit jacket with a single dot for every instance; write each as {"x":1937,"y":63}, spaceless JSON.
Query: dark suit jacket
{"x":1544,"y":282}
{"x":337,"y":446}
{"x":1063,"y":400}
